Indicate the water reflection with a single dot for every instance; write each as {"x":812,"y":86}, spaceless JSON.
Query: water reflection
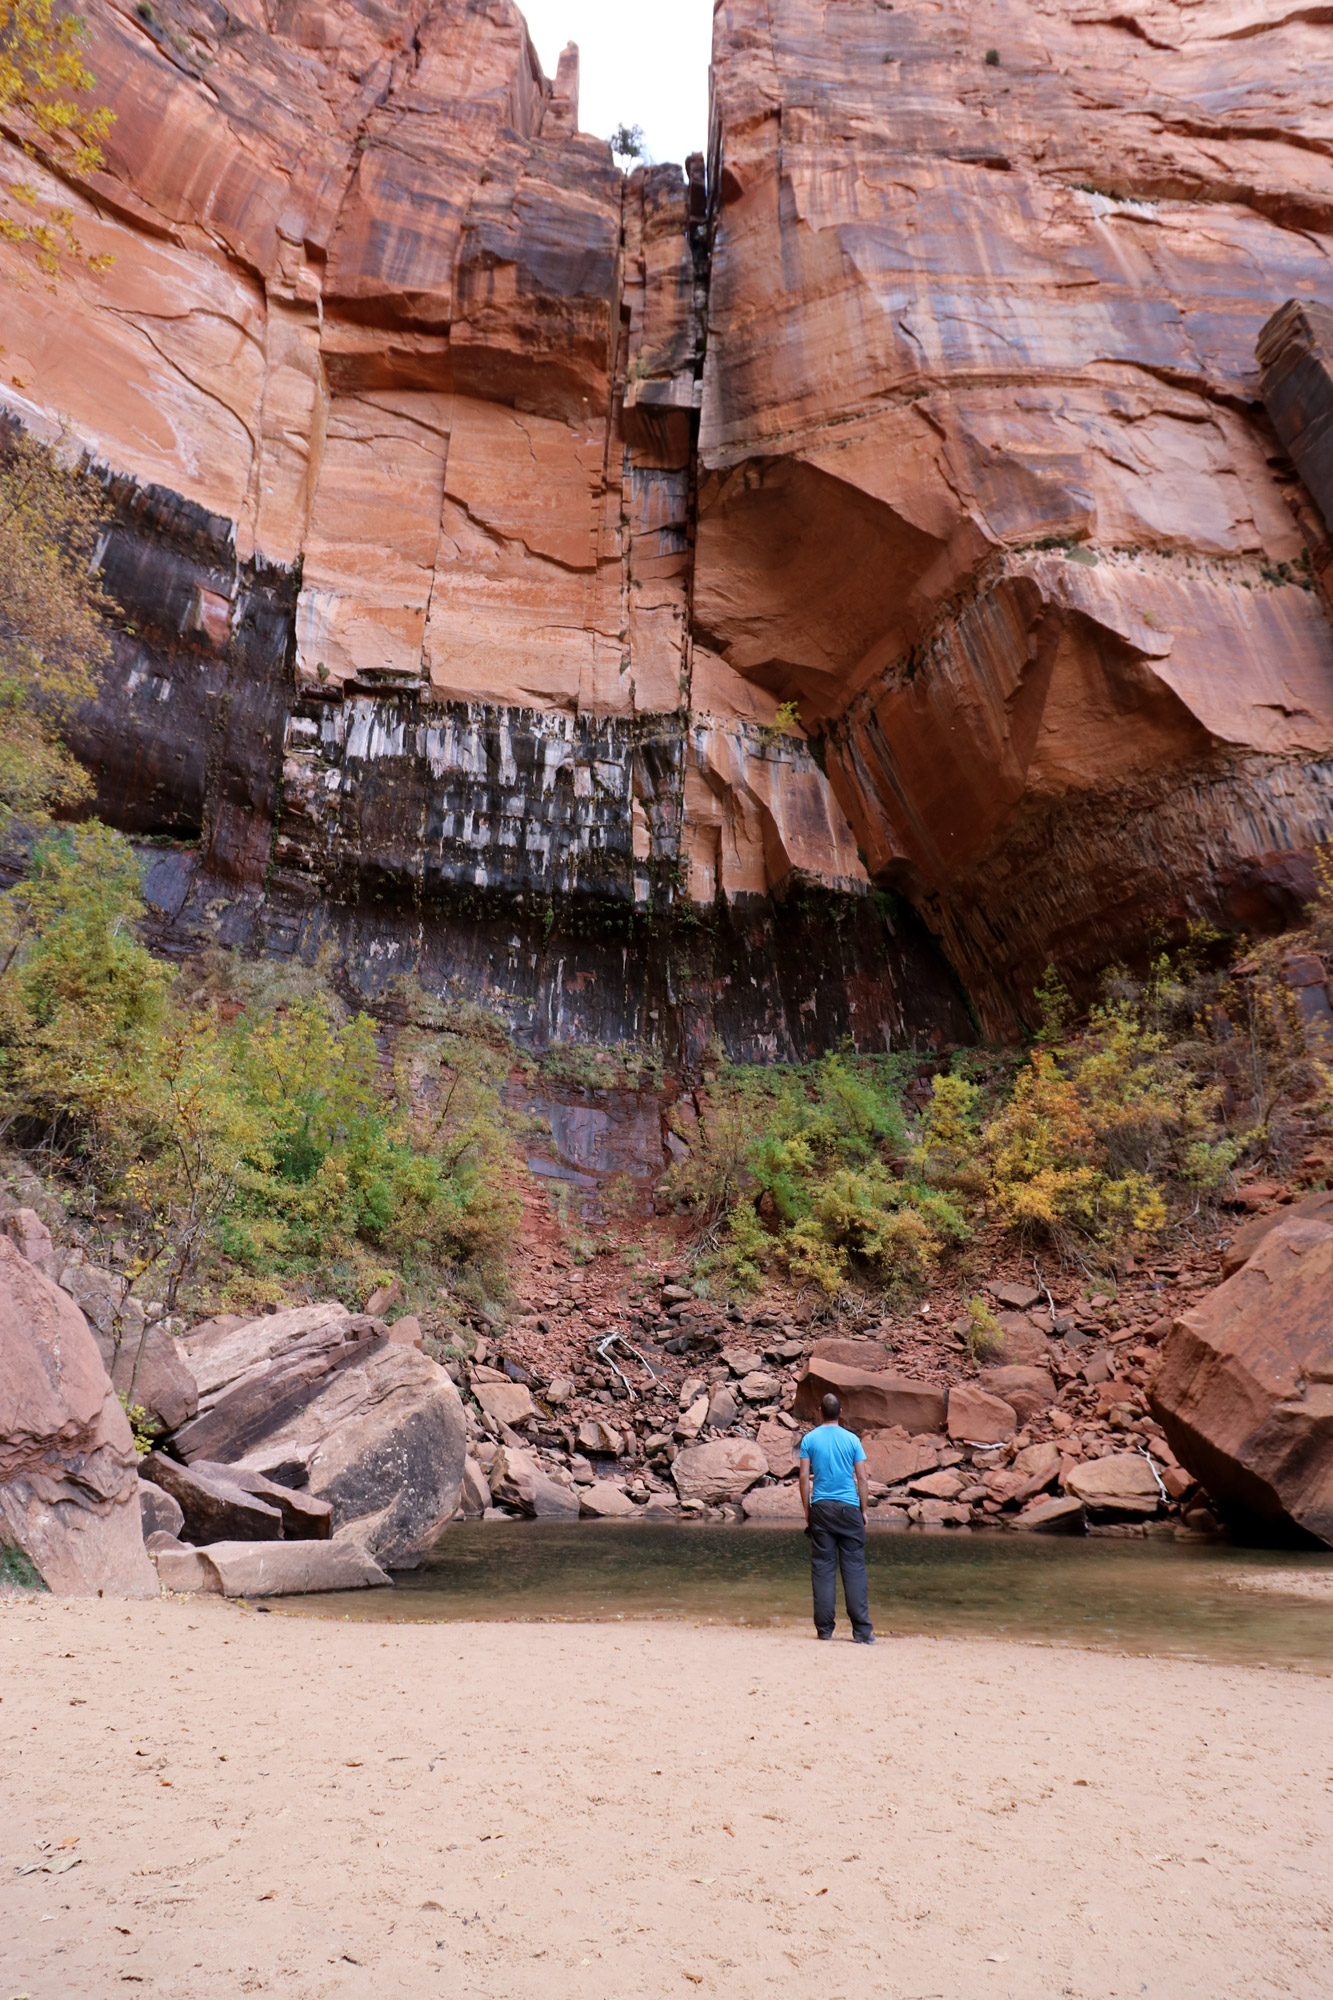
{"x":1183,"y":1600}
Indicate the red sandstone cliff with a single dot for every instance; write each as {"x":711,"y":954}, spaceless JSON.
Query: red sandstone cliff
{"x":398,"y":381}
{"x":986,"y":482}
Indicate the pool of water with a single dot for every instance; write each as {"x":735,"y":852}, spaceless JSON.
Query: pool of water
{"x":1189,"y":1600}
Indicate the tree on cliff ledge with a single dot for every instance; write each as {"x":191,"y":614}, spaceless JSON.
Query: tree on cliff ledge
{"x":44,"y":85}
{"x":52,"y":640}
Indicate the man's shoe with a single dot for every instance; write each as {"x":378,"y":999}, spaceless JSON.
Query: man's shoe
{"x":826,"y":1636}
{"x":866,"y":1642}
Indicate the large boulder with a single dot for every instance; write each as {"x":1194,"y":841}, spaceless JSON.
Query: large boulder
{"x":145,"y":1366}
{"x":69,"y":1487}
{"x":322,"y":1401}
{"x":1244,"y":1387}
{"x":225,"y":1351}
{"x":718,"y":1471}
{"x":872,"y":1399}
{"x":383,"y":1440}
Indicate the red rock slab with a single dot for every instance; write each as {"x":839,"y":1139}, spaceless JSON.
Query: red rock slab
{"x":868,"y":1354}
{"x":1244,"y":1387}
{"x":1064,"y":1516}
{"x":721,"y":1470}
{"x":892,"y":1456}
{"x":1028,"y":1390}
{"x":871,"y":1399}
{"x":1318,"y":1207}
{"x":1123,"y":1483}
{"x":975,"y":1417}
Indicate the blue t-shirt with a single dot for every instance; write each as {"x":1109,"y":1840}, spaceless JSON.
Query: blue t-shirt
{"x":832,"y":1453}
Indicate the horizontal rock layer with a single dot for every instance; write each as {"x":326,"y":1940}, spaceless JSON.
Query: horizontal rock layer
{"x":476,"y":508}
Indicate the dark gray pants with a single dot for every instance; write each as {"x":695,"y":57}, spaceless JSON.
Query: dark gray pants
{"x":838,"y":1541}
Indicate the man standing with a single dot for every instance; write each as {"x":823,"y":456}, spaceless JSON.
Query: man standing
{"x":835,"y":1519}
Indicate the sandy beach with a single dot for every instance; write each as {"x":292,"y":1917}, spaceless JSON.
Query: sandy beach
{"x":274,"y":1804}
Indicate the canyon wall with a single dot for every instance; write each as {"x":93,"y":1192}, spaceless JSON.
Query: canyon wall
{"x":477,"y":507}
{"x":986,"y":480}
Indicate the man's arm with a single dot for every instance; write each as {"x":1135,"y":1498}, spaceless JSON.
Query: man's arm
{"x":805,"y":1489}
{"x":861,"y":1489}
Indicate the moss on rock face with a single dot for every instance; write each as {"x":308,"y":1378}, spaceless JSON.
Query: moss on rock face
{"x":17,"y":1571}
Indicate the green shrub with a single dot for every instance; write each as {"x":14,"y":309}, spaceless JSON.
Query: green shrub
{"x":802,"y":1167}
{"x":276,"y":1141}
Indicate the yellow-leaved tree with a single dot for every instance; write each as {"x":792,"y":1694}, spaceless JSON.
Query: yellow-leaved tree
{"x":44,"y":106}
{"x":53,"y":642}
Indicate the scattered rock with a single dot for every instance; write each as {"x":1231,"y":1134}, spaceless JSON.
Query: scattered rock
{"x":601,"y":1440}
{"x":69,"y":1487}
{"x":1025,"y":1344}
{"x":759,"y":1388}
{"x":779,"y":1446}
{"x":939,"y":1514}
{"x":977,"y":1417}
{"x":143,"y":1361}
{"x":603,"y":1502}
{"x":475,"y":1494}
{"x":723,"y":1409}
{"x":158,"y":1512}
{"x":1016,"y":1296}
{"x":1244,"y":1386}
{"x":518,"y":1481}
{"x":870,"y":1400}
{"x":223,"y":1351}
{"x":690,"y":1422}
{"x":388,"y":1295}
{"x":892,"y":1456}
{"x":740,"y":1360}
{"x":945,"y":1485}
{"x":406,"y":1332}
{"x":304,"y":1518}
{"x":558,"y":1390}
{"x":508,"y":1402}
{"x":774,"y":1503}
{"x":1029,"y":1391}
{"x":1053,"y":1517}
{"x":185,"y":1570}
{"x":1121,"y":1484}
{"x":1038,"y":1465}
{"x":721,"y":1470}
